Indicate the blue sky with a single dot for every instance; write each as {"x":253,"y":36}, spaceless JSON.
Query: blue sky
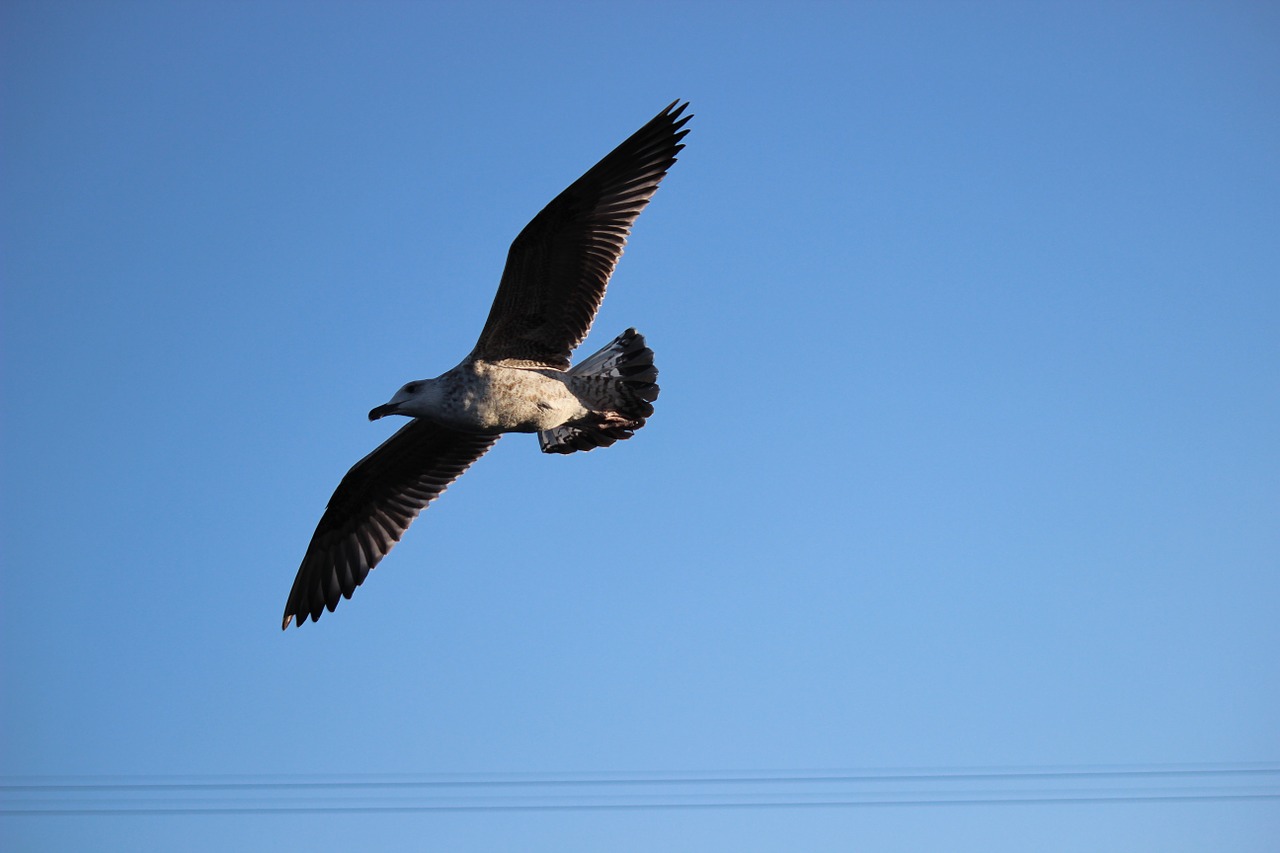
{"x":966,"y":453}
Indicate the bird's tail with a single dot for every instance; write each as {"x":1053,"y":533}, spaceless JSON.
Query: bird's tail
{"x":621,"y":380}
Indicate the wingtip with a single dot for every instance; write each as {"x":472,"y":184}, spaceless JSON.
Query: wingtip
{"x":675,"y":113}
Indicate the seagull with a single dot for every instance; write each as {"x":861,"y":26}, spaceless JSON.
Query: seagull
{"x":517,"y":379}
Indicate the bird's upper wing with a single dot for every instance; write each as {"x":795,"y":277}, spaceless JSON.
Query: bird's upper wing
{"x":373,"y":506}
{"x":558,"y":266}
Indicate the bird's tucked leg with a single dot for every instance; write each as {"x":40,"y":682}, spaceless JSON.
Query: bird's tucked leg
{"x":615,"y":420}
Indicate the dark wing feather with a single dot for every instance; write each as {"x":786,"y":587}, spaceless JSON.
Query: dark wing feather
{"x":373,"y":507}
{"x":559,"y":265}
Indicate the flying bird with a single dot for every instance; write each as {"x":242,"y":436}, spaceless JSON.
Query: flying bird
{"x":517,"y":379}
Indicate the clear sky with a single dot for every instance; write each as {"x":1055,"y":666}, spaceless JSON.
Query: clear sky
{"x":967,"y":452}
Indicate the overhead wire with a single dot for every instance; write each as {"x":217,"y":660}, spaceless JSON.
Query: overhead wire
{"x":655,"y":777}
{"x":217,"y":794}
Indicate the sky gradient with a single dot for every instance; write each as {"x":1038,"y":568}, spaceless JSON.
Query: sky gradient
{"x":966,"y":456}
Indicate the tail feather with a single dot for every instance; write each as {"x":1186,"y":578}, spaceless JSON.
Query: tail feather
{"x":624,"y":378}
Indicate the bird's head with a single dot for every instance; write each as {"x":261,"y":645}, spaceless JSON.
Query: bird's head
{"x":412,"y":400}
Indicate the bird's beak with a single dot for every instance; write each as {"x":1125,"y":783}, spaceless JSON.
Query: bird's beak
{"x":382,"y":411}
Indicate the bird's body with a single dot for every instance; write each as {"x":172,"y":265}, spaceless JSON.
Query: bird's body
{"x":517,"y":379}
{"x":484,"y":397}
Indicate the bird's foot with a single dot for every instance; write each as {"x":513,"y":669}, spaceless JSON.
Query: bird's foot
{"x":614,"y":420}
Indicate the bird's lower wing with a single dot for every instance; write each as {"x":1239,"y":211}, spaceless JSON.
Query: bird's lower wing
{"x":372,"y":508}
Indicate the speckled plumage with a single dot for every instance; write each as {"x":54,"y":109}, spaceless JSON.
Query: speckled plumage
{"x":517,"y":379}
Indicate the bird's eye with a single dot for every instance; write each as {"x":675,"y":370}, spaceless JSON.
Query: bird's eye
{"x":411,"y":388}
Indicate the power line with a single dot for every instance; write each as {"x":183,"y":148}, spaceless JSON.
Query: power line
{"x":631,"y":806}
{"x":636,"y":790}
{"x":603,"y":778}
